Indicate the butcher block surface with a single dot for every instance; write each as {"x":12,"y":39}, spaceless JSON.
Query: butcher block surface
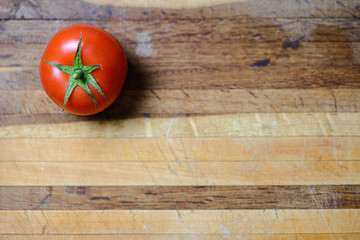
{"x":238,"y":120}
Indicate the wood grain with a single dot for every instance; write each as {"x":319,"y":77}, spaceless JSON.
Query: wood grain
{"x":224,"y":64}
{"x":183,"y":149}
{"x":269,"y":236}
{"x":180,"y":198}
{"x":199,"y":101}
{"x":106,"y":9}
{"x":179,"y":173}
{"x":228,"y":125}
{"x":164,"y":56}
{"x":212,"y":78}
{"x":180,"y":222}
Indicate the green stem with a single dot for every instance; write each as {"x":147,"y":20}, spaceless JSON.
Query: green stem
{"x":79,"y":76}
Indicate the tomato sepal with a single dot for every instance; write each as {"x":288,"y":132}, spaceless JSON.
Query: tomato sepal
{"x":80,"y":75}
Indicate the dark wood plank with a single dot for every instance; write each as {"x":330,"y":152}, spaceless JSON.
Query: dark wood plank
{"x":206,"y":77}
{"x":270,"y":54}
{"x":67,"y":9}
{"x":243,"y":29}
{"x":167,"y":150}
{"x":179,"y":57}
{"x":194,"y":236}
{"x":192,"y":101}
{"x":209,"y":42}
{"x":180,"y":198}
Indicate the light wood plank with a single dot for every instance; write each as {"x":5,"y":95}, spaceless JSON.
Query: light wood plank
{"x":200,"y":101}
{"x":174,"y":149}
{"x":180,"y":173}
{"x":229,"y":125}
{"x":211,"y":55}
{"x":268,"y":236}
{"x":180,"y":222}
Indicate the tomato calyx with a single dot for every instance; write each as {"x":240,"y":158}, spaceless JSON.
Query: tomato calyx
{"x":79,"y":76}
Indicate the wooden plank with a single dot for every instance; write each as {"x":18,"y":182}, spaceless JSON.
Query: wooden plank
{"x":182,"y":173}
{"x":174,"y":149}
{"x":282,"y":41}
{"x":210,"y":77}
{"x":236,"y":56}
{"x":269,"y":236}
{"x":342,"y":236}
{"x":228,"y":125}
{"x":211,"y":55}
{"x":320,"y":32}
{"x":199,"y":101}
{"x":179,"y":197}
{"x":180,"y":222}
{"x":106,"y":9}
{"x":225,"y":50}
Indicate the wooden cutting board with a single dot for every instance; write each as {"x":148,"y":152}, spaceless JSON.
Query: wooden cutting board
{"x":238,"y":120}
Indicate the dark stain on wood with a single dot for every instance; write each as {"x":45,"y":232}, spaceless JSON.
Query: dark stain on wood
{"x":15,"y":65}
{"x":261,"y":63}
{"x":100,"y":198}
{"x":80,"y":190}
{"x":340,"y":3}
{"x":5,"y":56}
{"x":109,"y":11}
{"x":181,"y":197}
{"x":292,"y":44}
{"x":151,"y":193}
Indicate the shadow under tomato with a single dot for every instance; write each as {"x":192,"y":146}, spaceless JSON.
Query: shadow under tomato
{"x":124,"y":107}
{"x":126,"y":104}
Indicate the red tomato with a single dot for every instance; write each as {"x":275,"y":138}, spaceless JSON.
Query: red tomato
{"x":92,"y":46}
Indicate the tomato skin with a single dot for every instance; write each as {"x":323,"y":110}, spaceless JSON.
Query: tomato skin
{"x":97,"y":47}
